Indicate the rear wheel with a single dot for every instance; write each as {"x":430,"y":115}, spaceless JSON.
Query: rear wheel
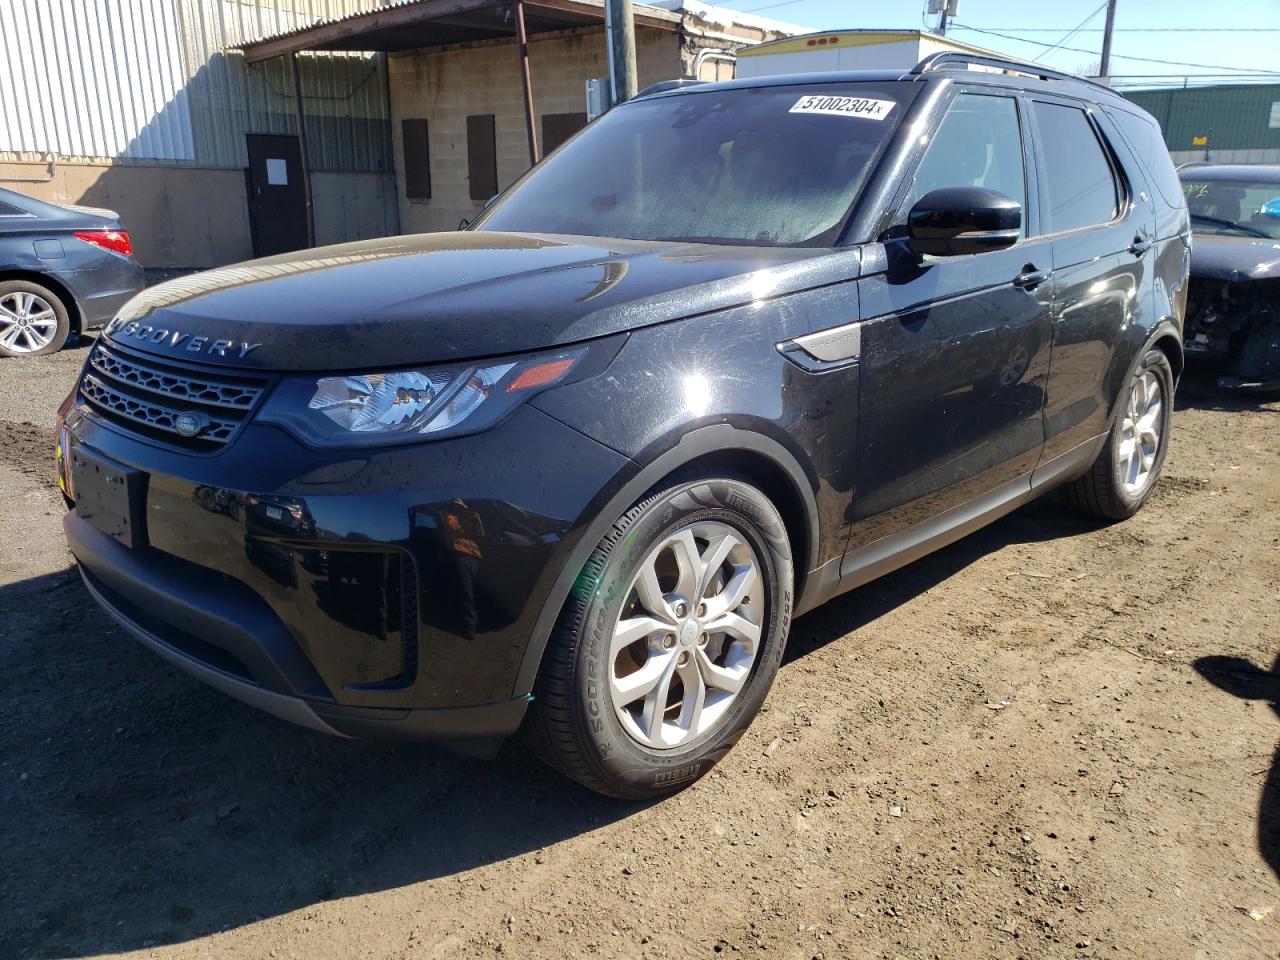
{"x":33,"y":320}
{"x":666,"y":649}
{"x":1125,"y":473}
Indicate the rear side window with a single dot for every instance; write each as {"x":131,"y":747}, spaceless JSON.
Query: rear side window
{"x":978,"y":144}
{"x":1078,"y":180}
{"x":9,"y":210}
{"x":1148,"y":143}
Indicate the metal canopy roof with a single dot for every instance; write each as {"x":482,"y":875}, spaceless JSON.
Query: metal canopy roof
{"x":413,"y":24}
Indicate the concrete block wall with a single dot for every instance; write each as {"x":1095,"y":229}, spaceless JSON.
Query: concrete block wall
{"x":177,"y":217}
{"x":447,"y":84}
{"x":194,"y":218}
{"x":354,"y":206}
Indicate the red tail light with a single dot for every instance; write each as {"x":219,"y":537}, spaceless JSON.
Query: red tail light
{"x":117,"y":241}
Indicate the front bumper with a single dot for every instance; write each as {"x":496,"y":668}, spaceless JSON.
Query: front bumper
{"x":388,"y":594}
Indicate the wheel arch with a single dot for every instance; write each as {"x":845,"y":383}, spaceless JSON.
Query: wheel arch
{"x":54,"y":286}
{"x":1164,"y":336}
{"x":1168,"y":340}
{"x":743,"y":452}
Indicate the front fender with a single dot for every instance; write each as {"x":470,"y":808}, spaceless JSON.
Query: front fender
{"x":629,"y":486}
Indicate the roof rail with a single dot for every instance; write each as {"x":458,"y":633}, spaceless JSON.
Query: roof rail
{"x":662,"y":86}
{"x":954,"y":60}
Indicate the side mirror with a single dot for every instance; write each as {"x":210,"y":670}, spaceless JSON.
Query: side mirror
{"x":959,"y":220}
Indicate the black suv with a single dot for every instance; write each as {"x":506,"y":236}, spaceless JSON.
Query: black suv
{"x":731,"y":351}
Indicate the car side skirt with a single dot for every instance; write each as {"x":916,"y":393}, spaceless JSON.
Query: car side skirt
{"x":883,"y":556}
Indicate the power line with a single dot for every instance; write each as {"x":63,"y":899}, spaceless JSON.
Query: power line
{"x":770,"y":6}
{"x":1072,"y":33}
{"x":1139,"y":29}
{"x":1119,"y":56}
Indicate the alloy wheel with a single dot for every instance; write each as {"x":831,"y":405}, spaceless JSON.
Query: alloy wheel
{"x":27,"y":322}
{"x":1140,"y":433}
{"x":687,"y":636}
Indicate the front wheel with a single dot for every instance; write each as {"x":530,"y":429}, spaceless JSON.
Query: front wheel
{"x":1125,"y":473}
{"x":670,"y":640}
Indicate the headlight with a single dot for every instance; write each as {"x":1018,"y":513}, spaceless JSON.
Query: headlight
{"x":400,"y":405}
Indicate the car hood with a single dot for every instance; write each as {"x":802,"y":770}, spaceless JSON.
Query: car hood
{"x":1234,"y":258}
{"x":441,"y":297}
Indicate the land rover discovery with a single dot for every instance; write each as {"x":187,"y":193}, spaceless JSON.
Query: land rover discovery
{"x":732,"y":350}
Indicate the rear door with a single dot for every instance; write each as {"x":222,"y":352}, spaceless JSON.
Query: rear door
{"x":955,"y":350}
{"x":1100,"y":226}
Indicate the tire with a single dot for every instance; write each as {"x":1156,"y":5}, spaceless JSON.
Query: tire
{"x":1117,"y":485}
{"x":581,"y":722}
{"x":33,"y":320}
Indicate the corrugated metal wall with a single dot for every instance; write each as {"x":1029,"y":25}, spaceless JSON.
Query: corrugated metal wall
{"x":1236,"y":118}
{"x":98,"y":79}
{"x":146,"y":81}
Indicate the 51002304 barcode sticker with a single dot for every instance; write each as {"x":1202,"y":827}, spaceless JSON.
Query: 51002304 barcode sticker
{"x":859,"y":108}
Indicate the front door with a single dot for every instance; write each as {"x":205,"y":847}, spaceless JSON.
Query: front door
{"x":955,"y":350}
{"x":277,"y":198}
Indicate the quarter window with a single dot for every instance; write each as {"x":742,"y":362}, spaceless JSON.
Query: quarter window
{"x":1145,"y":138}
{"x":1078,"y":180}
{"x":978,"y":144}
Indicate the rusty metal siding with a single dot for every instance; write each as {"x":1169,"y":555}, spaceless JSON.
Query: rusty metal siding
{"x":156,"y":81}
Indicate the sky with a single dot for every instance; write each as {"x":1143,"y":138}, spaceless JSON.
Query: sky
{"x":1207,"y":38}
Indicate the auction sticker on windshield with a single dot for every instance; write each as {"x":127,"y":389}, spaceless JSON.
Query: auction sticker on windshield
{"x":857,"y":107}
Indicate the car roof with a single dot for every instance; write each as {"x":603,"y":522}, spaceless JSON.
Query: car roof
{"x":1250,"y":172}
{"x":15,"y":199}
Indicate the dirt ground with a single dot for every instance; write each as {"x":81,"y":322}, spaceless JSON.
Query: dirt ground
{"x":1053,"y":739}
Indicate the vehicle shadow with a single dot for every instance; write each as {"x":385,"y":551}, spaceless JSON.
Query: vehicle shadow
{"x":1247,"y":681}
{"x":142,"y":808}
{"x":1039,"y":521}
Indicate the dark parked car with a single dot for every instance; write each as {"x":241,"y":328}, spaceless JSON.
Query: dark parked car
{"x":1233,"y":312}
{"x":63,"y":270}
{"x":731,"y":351}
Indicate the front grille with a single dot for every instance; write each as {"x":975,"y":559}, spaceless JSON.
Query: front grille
{"x":148,"y":397}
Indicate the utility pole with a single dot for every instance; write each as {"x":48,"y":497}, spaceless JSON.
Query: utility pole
{"x":1104,"y":69}
{"x":522,"y":48}
{"x":620,"y":27}
{"x":945,"y":10}
{"x":299,"y":122}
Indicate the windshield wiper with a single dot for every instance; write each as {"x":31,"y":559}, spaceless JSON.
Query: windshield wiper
{"x":1232,"y":225}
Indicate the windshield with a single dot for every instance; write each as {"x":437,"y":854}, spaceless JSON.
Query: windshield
{"x":766,"y":165}
{"x":1238,"y":208}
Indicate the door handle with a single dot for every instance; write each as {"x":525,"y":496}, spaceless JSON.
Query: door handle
{"x":1139,"y":246}
{"x":1030,"y":278}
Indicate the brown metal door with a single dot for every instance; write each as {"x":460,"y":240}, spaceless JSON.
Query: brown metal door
{"x":277,"y":198}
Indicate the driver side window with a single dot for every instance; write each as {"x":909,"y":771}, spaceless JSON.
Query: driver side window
{"x":978,"y":144}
